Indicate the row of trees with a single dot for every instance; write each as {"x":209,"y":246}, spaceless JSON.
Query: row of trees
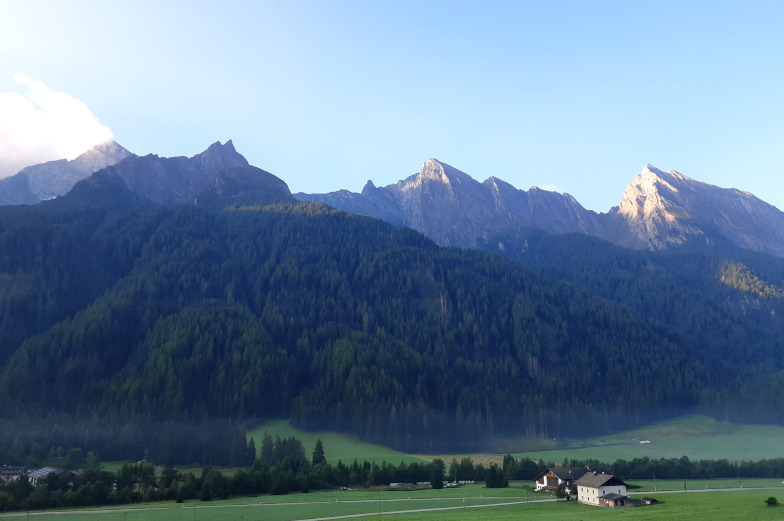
{"x":281,"y":468}
{"x":67,"y":441}
{"x":284,"y":467}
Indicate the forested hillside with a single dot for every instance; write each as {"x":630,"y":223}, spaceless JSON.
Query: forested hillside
{"x":726,"y":302}
{"x":116,"y":309}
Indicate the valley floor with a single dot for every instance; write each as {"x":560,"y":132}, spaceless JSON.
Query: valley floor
{"x":697,"y":437}
{"x":472,"y":502}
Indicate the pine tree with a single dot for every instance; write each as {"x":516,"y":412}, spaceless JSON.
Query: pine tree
{"x":250,"y":451}
{"x":266,"y":449}
{"x":318,"y":453}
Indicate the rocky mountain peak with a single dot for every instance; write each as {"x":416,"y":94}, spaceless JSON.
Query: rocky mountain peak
{"x":176,"y":180}
{"x":497,"y":185}
{"x":218,"y":157}
{"x":644,"y":196}
{"x":47,"y":180}
{"x":452,"y":208}
{"x":659,"y":209}
{"x":653,"y":210}
{"x":434,"y":173}
{"x":434,"y":170}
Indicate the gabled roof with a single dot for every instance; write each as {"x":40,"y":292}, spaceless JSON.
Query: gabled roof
{"x":42,"y":473}
{"x":571,"y":473}
{"x":589,"y":479}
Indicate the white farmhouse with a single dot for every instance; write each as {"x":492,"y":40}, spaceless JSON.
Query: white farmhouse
{"x":601,"y":490}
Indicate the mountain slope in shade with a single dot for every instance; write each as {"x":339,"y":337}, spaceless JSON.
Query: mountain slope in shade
{"x":244,"y":186}
{"x":47,"y":180}
{"x":661,"y":209}
{"x":453,"y":209}
{"x":175,"y":180}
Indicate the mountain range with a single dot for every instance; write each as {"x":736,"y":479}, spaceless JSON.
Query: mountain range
{"x":658,"y":210}
{"x":182,"y":289}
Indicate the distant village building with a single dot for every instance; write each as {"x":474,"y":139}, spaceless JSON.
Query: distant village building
{"x":552,"y":478}
{"x":603,"y":490}
{"x":11,"y":473}
{"x":39,"y":475}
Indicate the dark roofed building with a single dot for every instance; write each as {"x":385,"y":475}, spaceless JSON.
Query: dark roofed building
{"x":550,"y":479}
{"x":613,"y":500}
{"x":11,"y":473}
{"x":38,"y":475}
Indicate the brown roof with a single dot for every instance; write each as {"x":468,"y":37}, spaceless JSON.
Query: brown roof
{"x":589,"y":479}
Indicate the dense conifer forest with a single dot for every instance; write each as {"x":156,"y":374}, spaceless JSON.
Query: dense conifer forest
{"x":153,"y":316}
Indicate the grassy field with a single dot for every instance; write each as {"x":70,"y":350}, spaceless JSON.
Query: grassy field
{"x":697,"y":437}
{"x":713,"y":506}
{"x":644,"y":486}
{"x":336,"y":446}
{"x":460,"y":503}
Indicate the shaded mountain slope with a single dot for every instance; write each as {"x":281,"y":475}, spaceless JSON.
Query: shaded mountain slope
{"x":341,"y":322}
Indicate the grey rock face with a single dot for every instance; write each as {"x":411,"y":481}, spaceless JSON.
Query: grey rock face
{"x":658,"y":210}
{"x":173,"y":180}
{"x":40,"y":182}
{"x":661,"y":209}
{"x":453,"y":209}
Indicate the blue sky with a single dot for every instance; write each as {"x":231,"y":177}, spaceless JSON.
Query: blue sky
{"x":571,"y":96}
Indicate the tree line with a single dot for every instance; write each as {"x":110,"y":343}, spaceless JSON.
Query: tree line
{"x":283,"y":466}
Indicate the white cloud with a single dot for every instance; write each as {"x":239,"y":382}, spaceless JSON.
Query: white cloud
{"x":41,"y":125}
{"x":551,"y":188}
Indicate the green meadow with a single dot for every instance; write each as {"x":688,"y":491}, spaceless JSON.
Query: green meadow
{"x":693,"y":436}
{"x":336,"y":446}
{"x":469,"y":503}
{"x":697,"y":437}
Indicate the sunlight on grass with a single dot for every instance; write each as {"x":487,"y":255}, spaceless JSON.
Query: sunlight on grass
{"x":336,"y":446}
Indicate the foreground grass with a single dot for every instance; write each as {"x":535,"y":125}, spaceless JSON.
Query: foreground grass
{"x":297,"y":506}
{"x":712,"y":506}
{"x":459,"y":503}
